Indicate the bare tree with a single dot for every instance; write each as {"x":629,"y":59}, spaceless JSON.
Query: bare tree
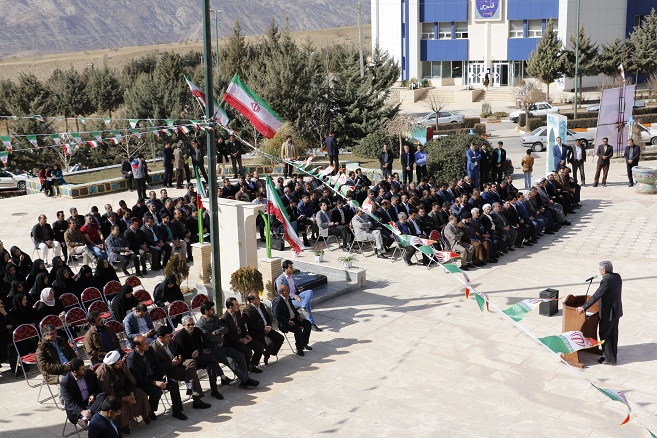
{"x":529,"y":93}
{"x":436,"y":102}
{"x":399,"y":126}
{"x":615,"y":82}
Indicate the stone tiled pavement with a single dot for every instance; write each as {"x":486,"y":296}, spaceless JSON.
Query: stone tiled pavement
{"x":408,"y":355}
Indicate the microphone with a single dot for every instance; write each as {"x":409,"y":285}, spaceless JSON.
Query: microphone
{"x":590,"y":278}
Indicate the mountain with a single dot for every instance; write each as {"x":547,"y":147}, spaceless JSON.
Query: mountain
{"x":41,"y":27}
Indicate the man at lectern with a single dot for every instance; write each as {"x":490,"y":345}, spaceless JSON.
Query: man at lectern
{"x":611,"y":309}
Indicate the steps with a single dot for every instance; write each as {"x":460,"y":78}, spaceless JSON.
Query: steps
{"x":501,"y":94}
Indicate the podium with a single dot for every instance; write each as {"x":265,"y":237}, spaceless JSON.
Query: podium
{"x":588,"y":325}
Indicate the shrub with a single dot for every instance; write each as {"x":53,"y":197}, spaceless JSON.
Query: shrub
{"x":522,"y":119}
{"x":272,"y":145}
{"x":446,"y":160}
{"x":583,"y":123}
{"x":647,"y":118}
{"x":468,"y":122}
{"x":480,"y":128}
{"x":245,"y":280}
{"x":535,"y":122}
{"x":645,"y":110}
{"x":177,"y":266}
{"x":500,"y":114}
{"x":486,"y":109}
{"x":370,"y":146}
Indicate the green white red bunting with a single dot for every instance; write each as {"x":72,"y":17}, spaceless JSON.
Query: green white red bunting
{"x":67,"y":148}
{"x":33,"y":139}
{"x":482,"y":300}
{"x":56,"y":139}
{"x":275,"y":207}
{"x":518,"y":311}
{"x":4,"y":157}
{"x":618,"y":396}
{"x":569,"y":342}
{"x":251,"y":106}
{"x":450,"y":267}
{"x":6,"y":140}
{"x":133,"y":123}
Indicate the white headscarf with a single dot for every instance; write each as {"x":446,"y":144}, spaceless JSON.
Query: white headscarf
{"x":45,"y":295}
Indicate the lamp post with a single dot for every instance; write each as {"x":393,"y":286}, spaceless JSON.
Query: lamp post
{"x":577,"y":59}
{"x":212,"y":157}
{"x":216,"y":35}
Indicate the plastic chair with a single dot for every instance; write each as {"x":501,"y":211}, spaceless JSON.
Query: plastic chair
{"x":35,"y":306}
{"x":36,"y":250}
{"x":119,"y":329}
{"x":158,"y":315}
{"x":75,"y":317}
{"x":359,"y":243}
{"x":110,"y":290}
{"x":52,"y":320}
{"x":25,"y":332}
{"x":143,"y":297}
{"x":133,"y":281}
{"x":102,"y":308}
{"x":197,"y":301}
{"x":177,"y":308}
{"x":90,"y":295}
{"x":69,"y":300}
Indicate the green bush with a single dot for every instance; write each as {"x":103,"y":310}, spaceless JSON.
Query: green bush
{"x":446,"y":160}
{"x":480,"y":128}
{"x":272,"y":146}
{"x":522,"y":119}
{"x":645,"y":110}
{"x":500,"y":114}
{"x":468,"y":122}
{"x":647,"y":118}
{"x":583,"y":123}
{"x":461,"y":131}
{"x":534,"y":122}
{"x":372,"y":145}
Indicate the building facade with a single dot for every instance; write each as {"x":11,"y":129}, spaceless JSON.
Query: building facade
{"x":456,"y":42}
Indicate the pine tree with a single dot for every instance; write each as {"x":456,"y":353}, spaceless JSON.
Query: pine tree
{"x":236,"y":55}
{"x":70,"y":94}
{"x":544,"y":62}
{"x":643,"y":40}
{"x":588,"y":55}
{"x":104,"y":90}
{"x":611,"y":56}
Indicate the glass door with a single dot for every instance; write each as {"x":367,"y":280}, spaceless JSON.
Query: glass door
{"x":501,"y":74}
{"x":476,"y":73}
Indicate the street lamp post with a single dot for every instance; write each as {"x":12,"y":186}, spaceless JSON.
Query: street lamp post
{"x":216,"y":35}
{"x":577,"y":59}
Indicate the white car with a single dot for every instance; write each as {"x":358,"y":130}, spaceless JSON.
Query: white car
{"x":536,"y":109}
{"x":10,"y":181}
{"x":537,"y":139}
{"x":648,"y":135}
{"x":444,"y":117}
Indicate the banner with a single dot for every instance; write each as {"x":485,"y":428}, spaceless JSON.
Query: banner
{"x":557,"y":126}
{"x":569,"y":342}
{"x":487,"y":10}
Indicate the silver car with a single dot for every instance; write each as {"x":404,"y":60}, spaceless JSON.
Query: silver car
{"x":10,"y":181}
{"x":537,"y":139}
{"x":444,"y":117}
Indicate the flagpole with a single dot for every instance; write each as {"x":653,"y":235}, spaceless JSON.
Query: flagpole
{"x":212,"y":160}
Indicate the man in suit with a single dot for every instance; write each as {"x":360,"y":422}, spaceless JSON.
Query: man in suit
{"x":160,"y":251}
{"x":363,"y":232}
{"x":632,"y":155}
{"x":453,"y":236}
{"x":604,"y":152}
{"x":176,"y":368}
{"x":151,"y":378}
{"x":498,"y":162}
{"x":99,"y":339}
{"x":342,"y":216}
{"x":333,"y":152}
{"x":213,"y":330}
{"x":288,"y":319}
{"x":324,"y":223}
{"x":473,"y":158}
{"x":610,"y":310}
{"x":577,"y":159}
{"x":137,"y":243}
{"x":560,"y":155}
{"x":198,"y":159}
{"x":53,"y":355}
{"x":167,"y":161}
{"x":385,"y":161}
{"x":259,"y":324}
{"x":81,"y":394}
{"x":301,"y":297}
{"x":238,"y":337}
{"x":139,"y":323}
{"x":407,"y":159}
{"x":102,"y":423}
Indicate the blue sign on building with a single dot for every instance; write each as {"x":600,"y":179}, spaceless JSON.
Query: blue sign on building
{"x":487,"y":10}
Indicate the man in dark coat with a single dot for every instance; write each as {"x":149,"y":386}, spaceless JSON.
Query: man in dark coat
{"x":102,"y":424}
{"x":610,"y":310}
{"x":238,"y":337}
{"x":81,"y":393}
{"x":332,"y":151}
{"x":288,"y":319}
{"x":259,"y":323}
{"x":167,"y":161}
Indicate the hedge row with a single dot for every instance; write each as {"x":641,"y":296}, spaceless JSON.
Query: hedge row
{"x":583,"y":123}
{"x":647,"y":118}
{"x":468,"y":123}
{"x":535,"y":122}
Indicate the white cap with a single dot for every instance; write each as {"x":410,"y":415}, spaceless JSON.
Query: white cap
{"x":111,"y":358}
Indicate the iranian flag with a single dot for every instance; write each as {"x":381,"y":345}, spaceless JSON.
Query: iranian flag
{"x":569,"y":342}
{"x":468,"y":285}
{"x":6,"y":140}
{"x":445,"y":256}
{"x":618,"y":396}
{"x":451,"y":268}
{"x":518,"y":311}
{"x":418,"y":241}
{"x":247,"y":103}
{"x":56,"y":139}
{"x":482,"y":300}
{"x":33,"y":140}
{"x":67,"y":148}
{"x":346,"y":189}
{"x":325,"y":172}
{"x":200,"y":190}
{"x":276,"y":208}
{"x":219,"y":114}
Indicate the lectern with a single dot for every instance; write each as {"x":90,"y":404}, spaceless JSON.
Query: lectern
{"x":587,"y":323}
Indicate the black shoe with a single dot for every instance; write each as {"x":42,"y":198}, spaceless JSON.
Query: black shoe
{"x":216,"y":394}
{"x":604,"y":184}
{"x":254,"y":369}
{"x":152,"y":416}
{"x":308,"y":347}
{"x":127,"y":274}
{"x":464,"y":268}
{"x":156,"y":268}
{"x":529,"y":243}
{"x":381,"y":256}
{"x":225,"y":381}
{"x":602,"y":359}
{"x":409,"y":263}
{"x":265,"y":359}
{"x":180,"y":415}
{"x":631,"y":185}
{"x":190,"y":391}
{"x":125,"y":430}
{"x":595,"y":184}
{"x":480,"y":264}
{"x":200,"y":404}
{"x":549,"y":232}
{"x":567,"y":223}
{"x":300,"y":352}
{"x":492,"y":260}
{"x":140,"y":275}
{"x":249,"y":384}
{"x":512,"y":249}
{"x":316,"y":329}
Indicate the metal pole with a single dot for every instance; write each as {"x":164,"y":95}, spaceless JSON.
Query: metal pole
{"x":577,"y":60}
{"x":216,"y":35}
{"x":212,"y":159}
{"x":360,"y":42}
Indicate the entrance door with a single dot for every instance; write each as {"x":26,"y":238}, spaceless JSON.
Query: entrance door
{"x":476,"y":72}
{"x":501,"y":75}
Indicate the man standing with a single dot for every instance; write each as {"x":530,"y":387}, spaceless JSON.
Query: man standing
{"x":632,"y":155}
{"x":604,"y":152}
{"x":288,"y":319}
{"x":577,"y":159}
{"x":484,"y":163}
{"x":235,"y":151}
{"x":179,"y":164}
{"x":140,"y":174}
{"x":421,"y":157}
{"x":407,"y":160}
{"x":385,"y":160}
{"x":499,"y":160}
{"x":288,"y":152}
{"x":560,"y":154}
{"x":167,"y":161}
{"x":610,"y":310}
{"x":197,"y":159}
{"x":333,"y":151}
{"x":473,"y":158}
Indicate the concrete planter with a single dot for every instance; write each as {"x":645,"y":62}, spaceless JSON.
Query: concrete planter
{"x":645,"y":178}
{"x":270,"y":269}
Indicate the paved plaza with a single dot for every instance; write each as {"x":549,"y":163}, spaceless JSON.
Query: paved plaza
{"x":408,"y":355}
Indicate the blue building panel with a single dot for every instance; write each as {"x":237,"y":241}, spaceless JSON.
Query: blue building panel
{"x":519,"y":49}
{"x":444,"y":50}
{"x":532,"y":10}
{"x":636,"y":8}
{"x":443,"y":10}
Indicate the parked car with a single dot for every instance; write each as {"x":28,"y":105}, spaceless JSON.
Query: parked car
{"x":12,"y":181}
{"x":648,"y":135}
{"x":443,"y":118}
{"x":536,"y":109}
{"x":596,"y":107}
{"x":537,"y":139}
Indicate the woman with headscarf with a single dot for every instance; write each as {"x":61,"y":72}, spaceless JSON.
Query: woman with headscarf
{"x":22,"y":261}
{"x":42,"y":281}
{"x":123,"y":302}
{"x":57,"y":262}
{"x":21,"y":312}
{"x":104,"y":274}
{"x":6,"y":328}
{"x":49,"y":305}
{"x":166,"y":293}
{"x":64,"y":282}
{"x":84,"y":279}
{"x":5,"y":259}
{"x":17,"y":287}
{"x":11,"y":275}
{"x":37,"y":267}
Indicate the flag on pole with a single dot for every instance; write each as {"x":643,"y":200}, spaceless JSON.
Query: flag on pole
{"x":518,"y":311}
{"x":276,"y":208}
{"x":618,"y":396}
{"x":569,"y":342}
{"x":6,"y":140}
{"x":67,"y":148}
{"x":218,"y":112}
{"x":251,"y":106}
{"x":200,"y":193}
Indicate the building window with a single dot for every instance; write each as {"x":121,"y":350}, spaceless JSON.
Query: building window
{"x":516,"y":29}
{"x":461,"y":30}
{"x":457,"y":69}
{"x":534,"y":29}
{"x":431,"y":69}
{"x":442,"y":69}
{"x":444,"y":31}
{"x":428,"y":32}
